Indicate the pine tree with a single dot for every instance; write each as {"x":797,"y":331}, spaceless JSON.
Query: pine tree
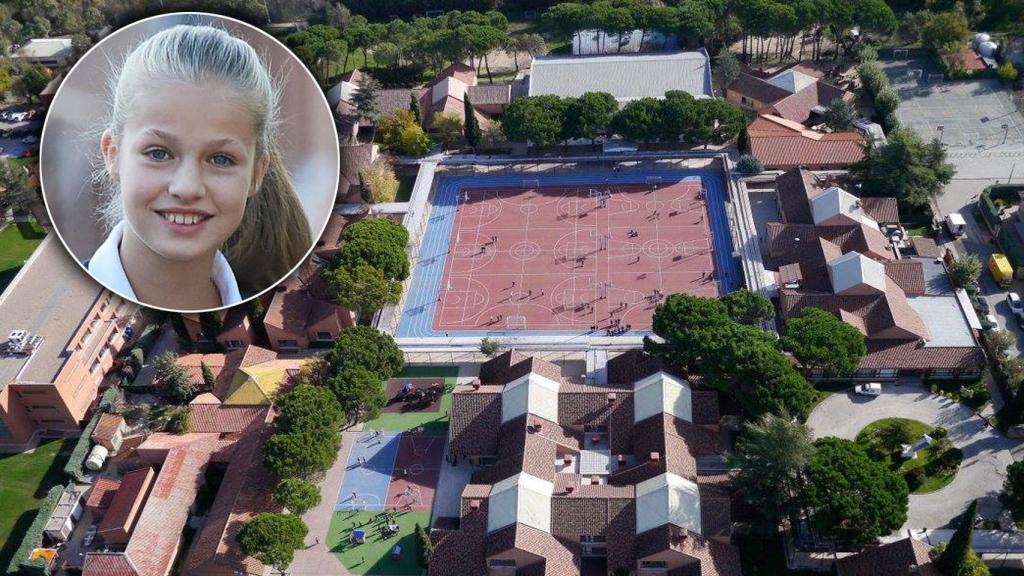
{"x":472,"y":126}
{"x":424,"y":548}
{"x":743,"y":140}
{"x":955,"y":555}
{"x":414,"y":107}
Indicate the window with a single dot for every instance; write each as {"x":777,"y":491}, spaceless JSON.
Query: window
{"x":501,"y":563}
{"x":288,"y":343}
{"x":941,"y":373}
{"x":888,"y":373}
{"x":654,"y":564}
{"x":324,"y":336}
{"x":232,"y":344}
{"x":95,"y":365}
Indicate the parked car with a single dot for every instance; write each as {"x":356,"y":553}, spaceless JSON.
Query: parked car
{"x":868,"y":389}
{"x":1016,"y":305}
{"x":29,"y":140}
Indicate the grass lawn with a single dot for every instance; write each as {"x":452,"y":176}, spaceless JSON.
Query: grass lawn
{"x":917,"y":222}
{"x":24,"y":482}
{"x":431,"y":421}
{"x":932,"y":482}
{"x":17,"y":242}
{"x":374,"y":555}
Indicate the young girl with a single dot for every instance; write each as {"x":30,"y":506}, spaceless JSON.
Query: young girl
{"x":200,"y":209}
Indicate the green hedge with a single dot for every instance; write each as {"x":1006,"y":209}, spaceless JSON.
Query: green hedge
{"x":1004,"y":191}
{"x":75,"y":462}
{"x":988,"y":210}
{"x":33,"y":538}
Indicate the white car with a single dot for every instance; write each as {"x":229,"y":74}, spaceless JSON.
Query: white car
{"x":868,"y":389}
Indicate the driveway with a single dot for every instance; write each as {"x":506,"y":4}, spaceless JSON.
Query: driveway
{"x":987,"y":453}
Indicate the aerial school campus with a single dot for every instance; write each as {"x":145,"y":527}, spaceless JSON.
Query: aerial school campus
{"x":696,"y":296}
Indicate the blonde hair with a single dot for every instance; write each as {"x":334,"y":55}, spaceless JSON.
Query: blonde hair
{"x":274,"y":234}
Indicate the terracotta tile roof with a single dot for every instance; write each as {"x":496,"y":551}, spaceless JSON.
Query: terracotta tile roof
{"x":894,"y":559}
{"x":797,"y":107}
{"x":300,"y":302}
{"x":589,"y":404}
{"x":794,"y":188}
{"x":102,"y":494}
{"x":128,"y":502}
{"x":354,"y":159}
{"x":781,"y":144}
{"x":887,"y":316}
{"x":109,"y":425}
{"x":973,"y":61}
{"x":205,"y":398}
{"x":330,"y":241}
{"x":254,"y":355}
{"x":226,"y":419}
{"x":757,"y":89}
{"x":557,"y":558}
{"x":882,"y":210}
{"x":512,"y":365}
{"x":630,"y":367}
{"x":475,"y":420}
{"x":247,"y":490}
{"x":908,"y":356}
{"x":458,"y":553}
{"x":908,"y":275}
{"x":108,"y":564}
{"x":193,"y":363}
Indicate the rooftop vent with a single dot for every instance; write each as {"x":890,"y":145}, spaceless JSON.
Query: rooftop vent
{"x":476,"y":384}
{"x":569,"y":489}
{"x":595,"y":480}
{"x":474,"y":504}
{"x":611,"y":398}
{"x":655,"y":457}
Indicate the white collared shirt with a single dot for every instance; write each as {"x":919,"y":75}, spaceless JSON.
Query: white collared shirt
{"x":105,"y":265}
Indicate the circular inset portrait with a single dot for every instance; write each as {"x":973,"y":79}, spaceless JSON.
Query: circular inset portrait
{"x":189,"y":161}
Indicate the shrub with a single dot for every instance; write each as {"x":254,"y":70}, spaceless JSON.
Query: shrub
{"x":865,"y":53}
{"x":950,"y":459}
{"x":938,"y":432}
{"x":178,"y":422}
{"x":915,"y":477}
{"x":886,"y":101}
{"x":378,"y":182}
{"x":424,"y":548}
{"x":33,"y":537}
{"x":488,"y":347}
{"x":1007,"y":72}
{"x":73,"y":467}
{"x":749,"y":164}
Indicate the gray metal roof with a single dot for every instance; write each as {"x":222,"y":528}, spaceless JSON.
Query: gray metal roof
{"x":946,"y":322}
{"x":627,"y":76}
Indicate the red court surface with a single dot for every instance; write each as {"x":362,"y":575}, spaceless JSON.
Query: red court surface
{"x":417,"y":469}
{"x":564,"y":259}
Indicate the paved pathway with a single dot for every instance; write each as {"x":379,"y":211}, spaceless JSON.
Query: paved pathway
{"x":987,"y":452}
{"x":316,"y":559}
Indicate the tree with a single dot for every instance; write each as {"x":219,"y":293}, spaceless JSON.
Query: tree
{"x":905,"y":168}
{"x":364,"y":98}
{"x":173,"y":378}
{"x":954,"y":557}
{"x":532,"y":44}
{"x":743,"y":141}
{"x":299,"y":455}
{"x":414,"y":107}
{"x":273,"y":538}
{"x":685,"y":323}
{"x":748,"y":307}
{"x":894,"y":434}
{"x":32,"y":81}
{"x":364,"y":288}
{"x":945,"y":28}
{"x":887,"y":101}
{"x":1013,"y":488}
{"x":821,"y":341}
{"x":318,"y":47}
{"x":965,"y":271}
{"x":840,"y":115}
{"x":1000,"y":342}
{"x":488,"y":347}
{"x":211,"y":325}
{"x":208,"y":380}
{"x":383,"y":230}
{"x":402,"y":133}
{"x":308,"y":409}
{"x":1013,"y":369}
{"x":639,"y":120}
{"x":424,"y":548}
{"x":749,"y":164}
{"x":727,"y":69}
{"x":389,"y":258}
{"x":847,"y":495}
{"x":1007,"y":73}
{"x":448,"y":126}
{"x":369,"y":348}
{"x":378,"y":182}
{"x":297,"y":495}
{"x":472,"y":125}
{"x":15,"y":192}
{"x":6,"y":81}
{"x":534,"y":119}
{"x":359,"y":392}
{"x":590,"y":115}
{"x":771,"y":456}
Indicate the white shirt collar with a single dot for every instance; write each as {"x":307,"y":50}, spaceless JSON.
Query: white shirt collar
{"x":105,"y":265}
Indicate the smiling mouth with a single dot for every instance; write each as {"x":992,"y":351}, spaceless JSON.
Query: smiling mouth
{"x":184,"y":219}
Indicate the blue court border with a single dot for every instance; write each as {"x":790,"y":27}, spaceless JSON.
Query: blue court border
{"x":418,"y":313}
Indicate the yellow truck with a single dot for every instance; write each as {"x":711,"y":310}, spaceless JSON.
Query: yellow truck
{"x":1001,"y":270}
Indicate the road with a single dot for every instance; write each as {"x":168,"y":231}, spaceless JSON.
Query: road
{"x":987,"y":453}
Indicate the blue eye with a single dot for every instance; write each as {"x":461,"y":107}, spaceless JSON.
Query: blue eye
{"x":157,"y":154}
{"x":222,"y":161}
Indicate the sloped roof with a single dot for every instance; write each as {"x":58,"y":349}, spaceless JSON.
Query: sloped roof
{"x":909,"y":356}
{"x":256,"y":385}
{"x":894,"y":559}
{"x":128,"y":502}
{"x":794,"y":188}
{"x":109,"y":425}
{"x":792,"y":81}
{"x":102,"y":493}
{"x":108,"y":564}
{"x":908,"y":275}
{"x":779,"y":143}
{"x":882,"y":210}
{"x":853,"y":270}
{"x":225,"y":419}
{"x":797,"y":107}
{"x":757,"y":89}
{"x":490,"y":94}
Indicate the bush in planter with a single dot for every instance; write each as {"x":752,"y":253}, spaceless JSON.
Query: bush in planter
{"x":749,"y":164}
{"x":938,"y":432}
{"x":950,"y":459}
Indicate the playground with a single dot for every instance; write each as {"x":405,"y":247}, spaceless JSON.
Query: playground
{"x":413,"y":395}
{"x":432,"y":418}
{"x":576,"y":253}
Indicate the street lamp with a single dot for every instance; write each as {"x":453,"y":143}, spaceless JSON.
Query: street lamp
{"x":1006,"y":130}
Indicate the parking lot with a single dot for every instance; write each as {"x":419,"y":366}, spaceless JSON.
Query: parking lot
{"x":19,"y":131}
{"x":962,"y":114}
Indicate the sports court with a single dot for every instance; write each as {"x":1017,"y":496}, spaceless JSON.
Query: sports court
{"x":567,"y":254}
{"x":391,"y":471}
{"x":962,"y":113}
